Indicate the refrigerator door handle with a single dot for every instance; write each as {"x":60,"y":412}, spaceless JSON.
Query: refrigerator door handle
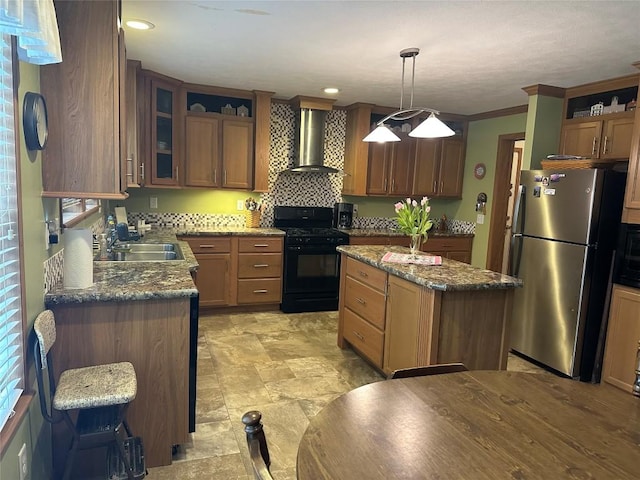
{"x":515,"y":257}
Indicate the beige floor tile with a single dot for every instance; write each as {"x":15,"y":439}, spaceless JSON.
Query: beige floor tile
{"x":288,"y":367}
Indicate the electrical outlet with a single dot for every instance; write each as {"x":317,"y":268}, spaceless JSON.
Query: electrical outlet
{"x":46,"y":236}
{"x":240,"y":205}
{"x":23,"y":465}
{"x":153,"y":202}
{"x":355,"y":209}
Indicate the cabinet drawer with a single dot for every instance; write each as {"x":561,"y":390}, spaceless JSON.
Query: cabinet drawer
{"x":209,"y":244}
{"x":366,"y":274}
{"x":365,"y":301}
{"x":447,"y":244}
{"x":264,"y":290}
{"x":363,"y":336}
{"x":259,"y":265}
{"x":260,"y":244}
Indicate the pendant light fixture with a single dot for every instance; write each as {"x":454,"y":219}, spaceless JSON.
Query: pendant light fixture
{"x":432,"y":127}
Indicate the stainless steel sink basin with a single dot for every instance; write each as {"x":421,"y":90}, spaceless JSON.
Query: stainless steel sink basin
{"x":145,"y":252}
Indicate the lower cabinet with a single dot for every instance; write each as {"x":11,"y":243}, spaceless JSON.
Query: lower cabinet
{"x":623,"y":334}
{"x":395,"y":323}
{"x":453,"y":247}
{"x":238,"y":270}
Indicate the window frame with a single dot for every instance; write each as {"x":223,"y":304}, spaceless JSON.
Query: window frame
{"x":8,"y":431}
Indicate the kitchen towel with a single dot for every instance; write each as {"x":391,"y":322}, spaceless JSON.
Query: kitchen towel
{"x":78,"y":258}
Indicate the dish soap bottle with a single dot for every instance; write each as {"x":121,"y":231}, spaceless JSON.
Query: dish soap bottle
{"x":103,"y":245}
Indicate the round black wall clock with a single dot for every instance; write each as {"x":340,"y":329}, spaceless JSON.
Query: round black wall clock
{"x":34,"y":121}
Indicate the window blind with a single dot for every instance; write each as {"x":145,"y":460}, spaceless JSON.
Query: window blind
{"x":11,"y":354}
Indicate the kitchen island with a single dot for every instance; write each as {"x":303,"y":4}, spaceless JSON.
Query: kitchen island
{"x":144,"y":313}
{"x":404,"y":315}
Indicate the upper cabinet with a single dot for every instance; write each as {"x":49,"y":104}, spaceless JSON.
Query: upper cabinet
{"x":85,"y":156}
{"x":219,"y":146}
{"x":631,"y":211}
{"x":162,"y":135}
{"x":413,"y":166}
{"x":605,"y":134}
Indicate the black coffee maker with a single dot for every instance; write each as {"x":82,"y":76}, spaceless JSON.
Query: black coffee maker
{"x":343,"y":215}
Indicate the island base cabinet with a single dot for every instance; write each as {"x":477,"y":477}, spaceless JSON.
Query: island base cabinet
{"x":154,"y":336}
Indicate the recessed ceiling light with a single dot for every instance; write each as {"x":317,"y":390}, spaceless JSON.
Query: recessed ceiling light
{"x":140,"y":24}
{"x":331,"y":90}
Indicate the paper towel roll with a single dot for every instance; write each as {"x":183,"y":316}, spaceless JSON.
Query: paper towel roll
{"x":78,"y":258}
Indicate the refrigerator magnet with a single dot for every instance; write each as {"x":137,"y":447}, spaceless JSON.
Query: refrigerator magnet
{"x":549,"y":191}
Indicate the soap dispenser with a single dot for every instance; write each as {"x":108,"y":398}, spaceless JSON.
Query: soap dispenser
{"x":104,"y":247}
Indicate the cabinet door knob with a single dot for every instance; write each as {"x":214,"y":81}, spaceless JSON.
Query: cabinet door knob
{"x":593,"y":146}
{"x":605,"y":144}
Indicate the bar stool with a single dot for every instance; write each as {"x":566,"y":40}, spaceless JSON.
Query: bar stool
{"x":100,"y":394}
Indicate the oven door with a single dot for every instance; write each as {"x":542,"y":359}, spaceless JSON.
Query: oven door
{"x":311,"y":269}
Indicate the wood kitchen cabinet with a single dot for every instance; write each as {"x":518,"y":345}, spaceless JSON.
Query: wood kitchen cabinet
{"x":439,"y":167}
{"x":409,"y":167}
{"x":238,"y":270}
{"x":454,"y":247}
{"x":390,"y":169}
{"x":135,"y":112}
{"x":259,"y":270}
{"x":607,"y":136}
{"x":219,"y":152}
{"x":85,"y":93}
{"x":215,"y":272}
{"x":623,"y":335}
{"x":602,"y":139}
{"x":631,"y":210}
{"x":395,"y":323}
{"x":162,"y":133}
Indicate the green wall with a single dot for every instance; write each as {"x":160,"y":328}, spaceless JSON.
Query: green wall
{"x":544,"y":122}
{"x":33,"y":431}
{"x":482,"y":147}
{"x":184,"y":200}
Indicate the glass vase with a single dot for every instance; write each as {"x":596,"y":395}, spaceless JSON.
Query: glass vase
{"x":415,"y":242}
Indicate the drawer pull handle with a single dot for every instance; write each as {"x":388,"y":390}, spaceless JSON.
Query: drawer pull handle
{"x":261,"y":291}
{"x":207,"y":246}
{"x":360,"y":301}
{"x":261,"y":265}
{"x":261,"y":245}
{"x":363,"y":274}
{"x":358,"y":335}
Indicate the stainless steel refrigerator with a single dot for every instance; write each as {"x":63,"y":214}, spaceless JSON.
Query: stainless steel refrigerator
{"x":562,"y":248}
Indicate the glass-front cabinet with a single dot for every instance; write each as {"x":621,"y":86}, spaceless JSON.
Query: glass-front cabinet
{"x":164,"y":148}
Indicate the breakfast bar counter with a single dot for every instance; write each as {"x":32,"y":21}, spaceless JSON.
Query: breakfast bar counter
{"x":406,"y":315}
{"x":146,"y":313}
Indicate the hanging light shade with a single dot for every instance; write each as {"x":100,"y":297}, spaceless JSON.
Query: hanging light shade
{"x":382,"y":134}
{"x":432,"y":127}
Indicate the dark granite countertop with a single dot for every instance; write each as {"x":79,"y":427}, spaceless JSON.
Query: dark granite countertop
{"x":389,"y":232}
{"x":449,"y":276}
{"x":226,"y":231}
{"x":128,"y":281}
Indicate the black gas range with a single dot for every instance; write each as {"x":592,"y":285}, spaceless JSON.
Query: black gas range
{"x":311,"y":276}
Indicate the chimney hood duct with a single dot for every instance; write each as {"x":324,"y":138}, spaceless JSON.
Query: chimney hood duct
{"x":309,"y":141}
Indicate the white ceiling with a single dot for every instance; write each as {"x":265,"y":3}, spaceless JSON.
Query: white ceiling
{"x":475,"y":56}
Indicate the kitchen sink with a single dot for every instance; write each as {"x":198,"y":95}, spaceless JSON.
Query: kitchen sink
{"x":145,"y":252}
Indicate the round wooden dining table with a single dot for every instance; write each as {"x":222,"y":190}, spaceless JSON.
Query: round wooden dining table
{"x":475,"y":425}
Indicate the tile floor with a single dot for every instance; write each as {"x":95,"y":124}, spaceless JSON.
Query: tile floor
{"x":285,"y":365}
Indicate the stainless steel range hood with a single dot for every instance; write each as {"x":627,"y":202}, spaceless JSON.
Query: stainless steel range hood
{"x":309,"y":140}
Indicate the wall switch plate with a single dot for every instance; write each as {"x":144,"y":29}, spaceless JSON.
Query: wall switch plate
{"x":153,"y":202}
{"x":23,"y":465}
{"x":240,"y":205}
{"x":480,"y":219}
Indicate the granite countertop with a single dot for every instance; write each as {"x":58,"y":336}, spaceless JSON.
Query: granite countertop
{"x":129,"y":281}
{"x":451,"y":275}
{"x":225,"y":231}
{"x":389,"y":232}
